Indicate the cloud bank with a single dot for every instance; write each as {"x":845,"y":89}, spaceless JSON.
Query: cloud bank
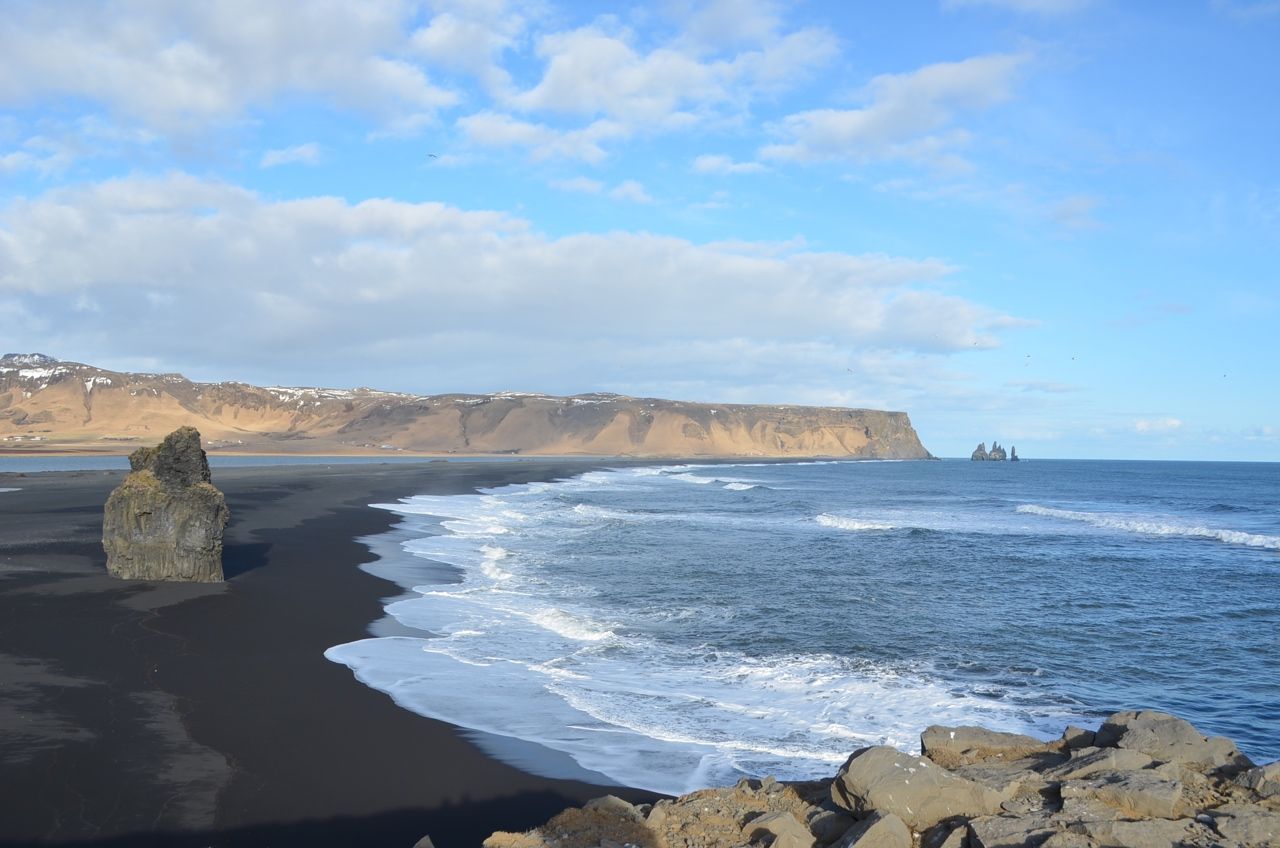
{"x":191,"y":271}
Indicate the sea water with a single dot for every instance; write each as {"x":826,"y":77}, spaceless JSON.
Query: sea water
{"x":676,"y":627}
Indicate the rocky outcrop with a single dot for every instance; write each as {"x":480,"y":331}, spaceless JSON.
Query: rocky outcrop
{"x":1142,"y":780}
{"x":165,"y":521}
{"x":1172,"y":740}
{"x":1264,"y":780}
{"x":1013,"y":454}
{"x":996,"y":454}
{"x":915,"y":789}
{"x":951,"y":747}
{"x":42,"y":398}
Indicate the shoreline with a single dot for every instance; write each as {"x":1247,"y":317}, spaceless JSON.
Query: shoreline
{"x":182,"y":714}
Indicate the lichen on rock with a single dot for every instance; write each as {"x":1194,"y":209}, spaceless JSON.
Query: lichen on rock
{"x":165,"y":521}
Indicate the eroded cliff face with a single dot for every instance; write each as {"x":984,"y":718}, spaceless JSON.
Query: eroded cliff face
{"x":45,"y":403}
{"x":165,"y":521}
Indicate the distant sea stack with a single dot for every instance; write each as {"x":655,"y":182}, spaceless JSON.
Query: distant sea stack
{"x":996,"y":454}
{"x":47,"y":404}
{"x":165,"y":521}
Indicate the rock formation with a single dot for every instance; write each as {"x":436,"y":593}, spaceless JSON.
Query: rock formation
{"x":1013,"y":454}
{"x":996,"y":454}
{"x":165,"y":521}
{"x":1142,"y":780}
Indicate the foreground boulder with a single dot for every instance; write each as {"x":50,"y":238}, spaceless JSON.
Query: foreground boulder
{"x":165,"y":521}
{"x":914,"y":789}
{"x":1143,"y":780}
{"x":1170,"y":739}
{"x":957,"y":746}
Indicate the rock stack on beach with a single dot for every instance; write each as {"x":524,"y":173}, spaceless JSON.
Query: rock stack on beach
{"x":165,"y":521}
{"x":1142,"y":780}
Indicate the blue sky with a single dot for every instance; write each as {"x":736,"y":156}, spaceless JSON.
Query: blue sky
{"x":1055,"y":223}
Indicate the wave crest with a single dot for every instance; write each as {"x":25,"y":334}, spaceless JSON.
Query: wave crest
{"x":1154,"y":526}
{"x":840,"y":522}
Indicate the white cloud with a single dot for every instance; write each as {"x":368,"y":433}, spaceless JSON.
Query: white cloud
{"x":719,"y":164}
{"x":298,"y":154}
{"x":1037,"y":7}
{"x":184,"y":69}
{"x":204,"y":272}
{"x":1075,"y":212}
{"x":61,"y":144}
{"x":1247,"y":10}
{"x":631,"y":190}
{"x":580,"y":185}
{"x":1155,"y":426}
{"x":597,"y":74}
{"x":590,"y":72}
{"x":491,"y":129}
{"x":717,"y":23}
{"x":180,"y":68}
{"x":17,"y":160}
{"x":907,"y":116}
{"x":472,"y":37}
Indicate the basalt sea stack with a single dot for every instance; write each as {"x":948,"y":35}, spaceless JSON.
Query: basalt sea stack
{"x":165,"y":521}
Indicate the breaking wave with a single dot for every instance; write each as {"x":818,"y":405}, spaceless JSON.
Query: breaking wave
{"x":853,"y":524}
{"x":1153,"y":526}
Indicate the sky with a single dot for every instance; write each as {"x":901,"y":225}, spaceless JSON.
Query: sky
{"x":1052,"y":223}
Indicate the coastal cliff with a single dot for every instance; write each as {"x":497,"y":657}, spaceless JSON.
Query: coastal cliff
{"x":47,"y":404}
{"x":1144,"y":779}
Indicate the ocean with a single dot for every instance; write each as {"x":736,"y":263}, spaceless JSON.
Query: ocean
{"x":675,"y":627}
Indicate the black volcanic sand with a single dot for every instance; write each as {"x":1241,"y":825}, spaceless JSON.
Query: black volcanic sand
{"x":161,"y":714}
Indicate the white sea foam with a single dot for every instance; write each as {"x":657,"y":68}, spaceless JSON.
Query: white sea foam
{"x":569,"y":626}
{"x":517,"y":648}
{"x":703,"y":480}
{"x":600,"y":513}
{"x":1154,"y":526}
{"x":490,"y":567}
{"x":10,"y":490}
{"x":841,"y":522}
{"x":651,"y":716}
{"x":694,"y":478}
{"x":740,"y":487}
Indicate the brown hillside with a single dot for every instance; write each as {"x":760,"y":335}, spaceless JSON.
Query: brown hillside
{"x":49,"y":405}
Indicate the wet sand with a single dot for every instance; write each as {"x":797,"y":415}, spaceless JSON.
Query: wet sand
{"x":146,"y":714}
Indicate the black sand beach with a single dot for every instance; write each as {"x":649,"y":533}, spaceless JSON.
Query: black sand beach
{"x":146,"y":714}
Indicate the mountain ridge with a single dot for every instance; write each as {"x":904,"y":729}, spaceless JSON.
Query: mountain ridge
{"x":47,"y":404}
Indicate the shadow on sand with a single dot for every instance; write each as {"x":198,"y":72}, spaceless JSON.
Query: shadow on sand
{"x":462,"y":825}
{"x":239,"y":559}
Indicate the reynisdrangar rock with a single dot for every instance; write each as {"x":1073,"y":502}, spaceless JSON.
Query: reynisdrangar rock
{"x":165,"y":521}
